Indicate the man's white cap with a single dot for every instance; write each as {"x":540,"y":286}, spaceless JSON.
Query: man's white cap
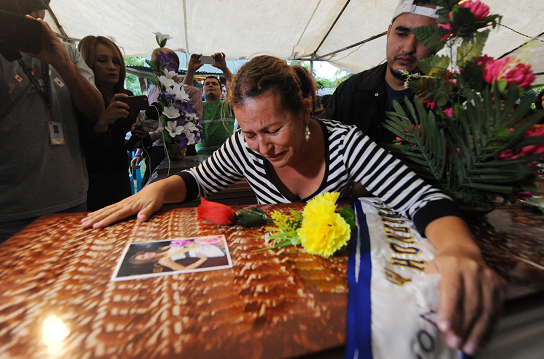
{"x":407,"y":6}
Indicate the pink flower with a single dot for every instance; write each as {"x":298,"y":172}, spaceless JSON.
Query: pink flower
{"x":483,"y":60}
{"x":448,"y":112}
{"x":478,"y":9}
{"x":536,"y":130}
{"x":509,"y":69}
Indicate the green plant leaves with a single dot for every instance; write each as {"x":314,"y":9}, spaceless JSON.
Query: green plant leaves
{"x":424,"y":145}
{"x":430,"y":36}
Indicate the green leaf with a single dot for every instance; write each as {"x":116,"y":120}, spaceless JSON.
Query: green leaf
{"x":470,"y":50}
{"x":434,"y":65}
{"x":464,"y":23}
{"x":349,"y":215}
{"x":429,"y":36}
{"x":253,"y":217}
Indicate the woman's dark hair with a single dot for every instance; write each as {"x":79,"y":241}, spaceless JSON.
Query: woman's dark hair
{"x":133,"y":260}
{"x":87,"y":47}
{"x":267,"y":73}
{"x":538,"y":100}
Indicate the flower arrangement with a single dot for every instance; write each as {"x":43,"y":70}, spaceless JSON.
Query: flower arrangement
{"x":178,"y":118}
{"x":320,"y":229}
{"x":470,"y":128}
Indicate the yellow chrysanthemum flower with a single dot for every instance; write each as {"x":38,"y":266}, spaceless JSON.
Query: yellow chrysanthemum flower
{"x":323,"y":231}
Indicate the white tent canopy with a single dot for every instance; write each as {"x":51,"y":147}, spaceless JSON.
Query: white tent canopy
{"x":291,"y":29}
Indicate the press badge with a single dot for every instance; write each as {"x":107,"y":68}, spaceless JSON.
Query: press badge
{"x":55,"y":133}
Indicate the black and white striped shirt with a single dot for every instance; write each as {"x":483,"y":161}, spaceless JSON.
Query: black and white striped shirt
{"x":351,"y":157}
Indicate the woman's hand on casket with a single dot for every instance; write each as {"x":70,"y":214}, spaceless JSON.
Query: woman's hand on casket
{"x":471,"y":293}
{"x":144,"y":203}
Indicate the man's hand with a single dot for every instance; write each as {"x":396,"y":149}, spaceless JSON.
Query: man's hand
{"x":194,"y":63}
{"x":135,"y":163}
{"x":221,"y":64}
{"x":52,"y":50}
{"x":192,"y":67}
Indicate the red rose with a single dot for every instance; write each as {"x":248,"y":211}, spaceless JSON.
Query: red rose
{"x":214,"y":212}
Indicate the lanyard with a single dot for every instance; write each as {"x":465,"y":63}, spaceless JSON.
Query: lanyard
{"x":45,"y":76}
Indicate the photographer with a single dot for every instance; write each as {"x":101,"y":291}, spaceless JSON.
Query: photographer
{"x":43,"y":169}
{"x":218,"y":117}
{"x":104,"y":141}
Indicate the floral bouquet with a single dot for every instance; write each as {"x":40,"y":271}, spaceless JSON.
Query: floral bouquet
{"x":320,"y":229}
{"x":178,"y":118}
{"x":470,"y":129}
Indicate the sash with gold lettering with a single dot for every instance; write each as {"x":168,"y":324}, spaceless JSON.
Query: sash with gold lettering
{"x":392,"y":303}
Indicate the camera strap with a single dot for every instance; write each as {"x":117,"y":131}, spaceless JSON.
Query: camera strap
{"x":45,"y":77}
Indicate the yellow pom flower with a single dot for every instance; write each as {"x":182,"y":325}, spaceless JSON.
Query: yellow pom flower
{"x":323,"y":231}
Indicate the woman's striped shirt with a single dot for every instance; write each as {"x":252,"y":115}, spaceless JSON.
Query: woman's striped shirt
{"x":351,"y":157}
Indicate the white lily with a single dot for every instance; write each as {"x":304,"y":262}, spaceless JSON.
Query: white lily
{"x":191,"y":116}
{"x":179,"y":93}
{"x":190,"y":138}
{"x":190,"y":126}
{"x":162,"y":38}
{"x":166,"y":82}
{"x":171,"y":112}
{"x":169,"y":74}
{"x":173,"y":129}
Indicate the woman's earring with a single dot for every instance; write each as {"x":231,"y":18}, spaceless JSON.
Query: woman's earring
{"x":308,"y":133}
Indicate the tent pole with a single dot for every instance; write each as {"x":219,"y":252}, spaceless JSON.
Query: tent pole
{"x":312,"y":67}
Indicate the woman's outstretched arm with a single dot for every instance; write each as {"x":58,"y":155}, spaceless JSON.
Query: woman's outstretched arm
{"x":144,"y":203}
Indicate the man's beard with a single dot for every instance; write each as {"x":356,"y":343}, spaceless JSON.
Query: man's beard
{"x":211,"y":97}
{"x":401,"y":75}
{"x":404,"y":74}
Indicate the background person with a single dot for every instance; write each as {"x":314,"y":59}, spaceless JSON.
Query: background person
{"x":43,"y":170}
{"x":218,"y":119}
{"x":363,"y":99}
{"x":104,"y":141}
{"x":287,"y":155}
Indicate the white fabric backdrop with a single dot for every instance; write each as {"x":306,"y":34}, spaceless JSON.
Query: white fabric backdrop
{"x":283,"y":28}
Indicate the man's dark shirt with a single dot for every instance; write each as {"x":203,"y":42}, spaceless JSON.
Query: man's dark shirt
{"x":361,"y":100}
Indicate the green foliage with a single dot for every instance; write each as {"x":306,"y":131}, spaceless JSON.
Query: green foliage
{"x":470,"y":50}
{"x":423,"y":141}
{"x":132,"y":83}
{"x":473,"y":137}
{"x":430,"y":36}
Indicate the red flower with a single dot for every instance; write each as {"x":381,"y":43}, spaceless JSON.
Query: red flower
{"x":430,"y":103}
{"x":477,"y":8}
{"x":214,"y":212}
{"x":447,"y":27}
{"x":483,"y":60}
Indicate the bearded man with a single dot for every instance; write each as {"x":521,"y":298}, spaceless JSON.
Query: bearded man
{"x":363,"y":99}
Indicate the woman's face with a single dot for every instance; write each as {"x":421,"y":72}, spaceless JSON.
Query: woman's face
{"x":271,"y":130}
{"x":145,"y":256}
{"x":107,"y":66}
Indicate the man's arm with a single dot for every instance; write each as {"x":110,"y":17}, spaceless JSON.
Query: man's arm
{"x":85,"y":97}
{"x":194,"y":64}
{"x":221,"y":64}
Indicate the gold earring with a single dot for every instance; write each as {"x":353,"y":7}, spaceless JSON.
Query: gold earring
{"x":308,"y":133}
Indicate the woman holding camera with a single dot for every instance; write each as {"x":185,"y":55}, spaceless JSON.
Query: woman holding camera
{"x":104,"y":142}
